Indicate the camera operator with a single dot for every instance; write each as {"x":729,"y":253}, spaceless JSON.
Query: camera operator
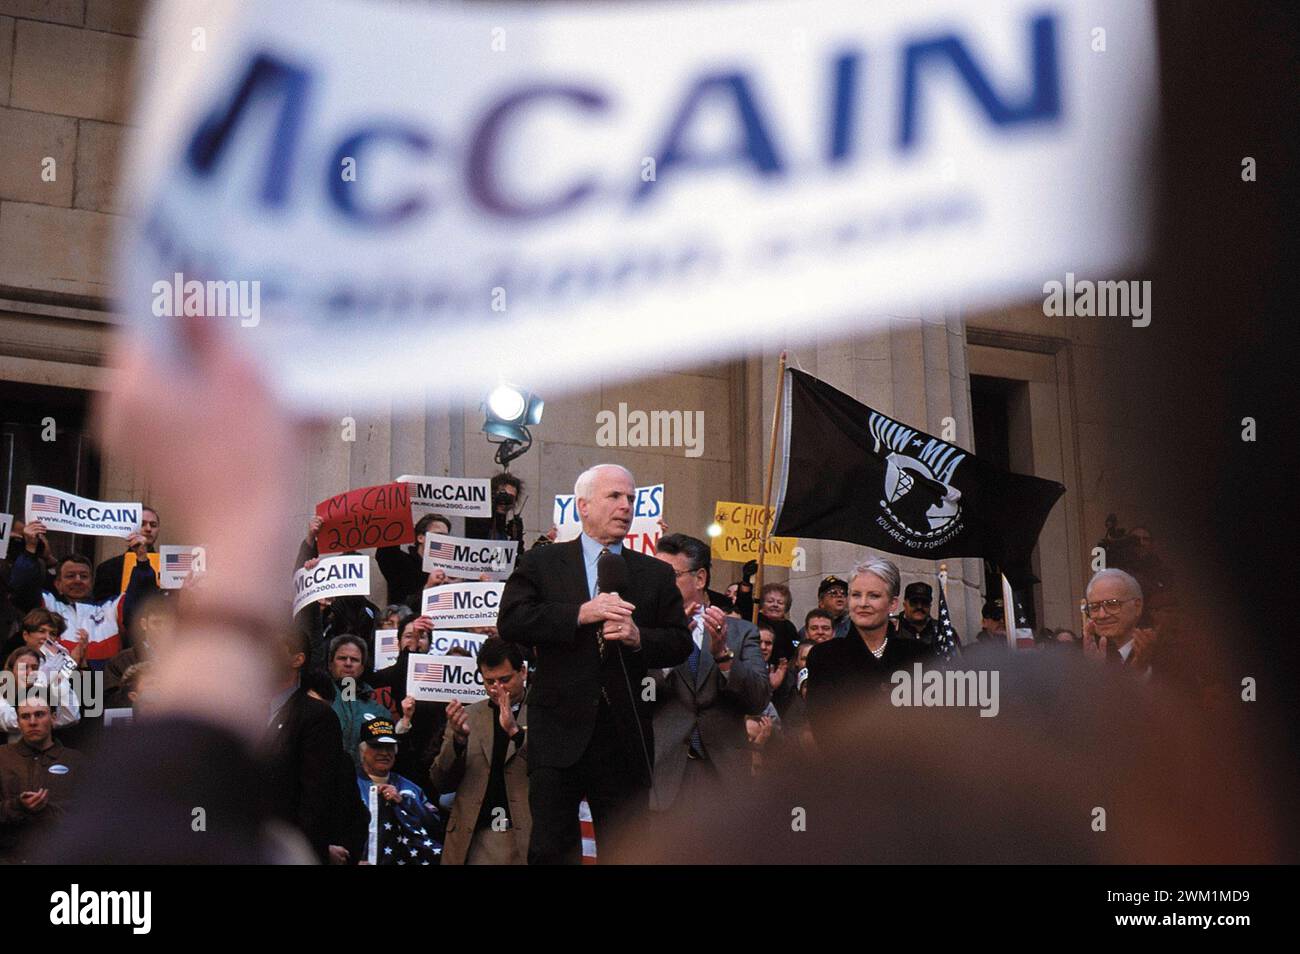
{"x":505,"y":522}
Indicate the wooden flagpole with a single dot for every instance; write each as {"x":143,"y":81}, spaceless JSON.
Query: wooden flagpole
{"x":767,"y":491}
{"x":1008,"y":610}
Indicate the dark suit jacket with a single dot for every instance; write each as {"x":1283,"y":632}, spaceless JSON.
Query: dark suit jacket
{"x":717,"y":704}
{"x":302,"y":744}
{"x":539,"y":608}
{"x":843,"y":675}
{"x":108,"y":578}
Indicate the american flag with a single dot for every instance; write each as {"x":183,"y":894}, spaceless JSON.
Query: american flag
{"x":947,"y":642}
{"x":179,"y":562}
{"x":443,"y":549}
{"x":443,"y":601}
{"x":409,"y":833}
{"x":588,"y":830}
{"x":429,"y":672}
{"x":45,"y":503}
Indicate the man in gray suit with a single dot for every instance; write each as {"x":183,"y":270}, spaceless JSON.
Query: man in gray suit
{"x":701,"y":748}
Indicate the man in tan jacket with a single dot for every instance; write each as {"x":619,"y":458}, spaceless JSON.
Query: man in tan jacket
{"x":484,"y":760}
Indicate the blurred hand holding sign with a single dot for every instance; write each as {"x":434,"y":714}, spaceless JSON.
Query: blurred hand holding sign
{"x":468,"y":177}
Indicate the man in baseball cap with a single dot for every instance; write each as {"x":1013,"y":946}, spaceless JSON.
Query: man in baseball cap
{"x":914,"y":618}
{"x":833,"y":597}
{"x":413,"y":829}
{"x":992,"y":629}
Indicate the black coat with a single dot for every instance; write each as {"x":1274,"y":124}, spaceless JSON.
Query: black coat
{"x":843,"y":675}
{"x":539,"y":608}
{"x":108,"y":578}
{"x":304,"y":782}
{"x":484,"y":528}
{"x":928,"y":634}
{"x":404,"y":573}
{"x":154,"y":775}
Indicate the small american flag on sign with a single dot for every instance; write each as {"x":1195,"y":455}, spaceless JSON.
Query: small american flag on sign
{"x":428,"y":672}
{"x":179,"y":562}
{"x":442,"y":549}
{"x":443,"y":601}
{"x":45,"y":503}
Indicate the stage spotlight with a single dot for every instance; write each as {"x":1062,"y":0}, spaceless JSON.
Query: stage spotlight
{"x":507,"y":413}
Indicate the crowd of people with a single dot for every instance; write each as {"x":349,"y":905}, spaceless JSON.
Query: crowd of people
{"x":651,"y":696}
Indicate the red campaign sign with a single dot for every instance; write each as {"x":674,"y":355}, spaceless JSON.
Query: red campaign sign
{"x":368,"y":517}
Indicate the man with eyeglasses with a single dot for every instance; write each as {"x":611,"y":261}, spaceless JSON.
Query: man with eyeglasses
{"x":915,"y":620}
{"x":1111,"y":610}
{"x":833,"y":598}
{"x":701,"y":745}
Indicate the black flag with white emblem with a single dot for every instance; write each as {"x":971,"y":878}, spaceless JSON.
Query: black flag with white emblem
{"x":854,"y":474}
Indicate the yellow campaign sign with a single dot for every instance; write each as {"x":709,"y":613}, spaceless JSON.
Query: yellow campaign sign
{"x":128,"y":567}
{"x":742,"y":533}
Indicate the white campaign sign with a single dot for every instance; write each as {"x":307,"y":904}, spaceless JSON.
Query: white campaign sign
{"x":433,"y":678}
{"x":386,"y":648}
{"x":120,"y":717}
{"x":60,"y":510}
{"x":176,"y":563}
{"x":332,"y":576}
{"x":462,"y":604}
{"x":6,"y":528}
{"x":449,"y":496}
{"x":644,"y":533}
{"x":792,"y":167}
{"x":443,"y":641}
{"x":463,"y":558}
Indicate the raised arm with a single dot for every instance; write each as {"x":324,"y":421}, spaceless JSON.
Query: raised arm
{"x":747,"y":682}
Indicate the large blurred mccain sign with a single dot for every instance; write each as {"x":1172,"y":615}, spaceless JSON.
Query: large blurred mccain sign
{"x":419,"y":191}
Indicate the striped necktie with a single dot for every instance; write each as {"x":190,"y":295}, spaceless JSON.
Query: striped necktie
{"x":600,"y":630}
{"x":693,"y":663}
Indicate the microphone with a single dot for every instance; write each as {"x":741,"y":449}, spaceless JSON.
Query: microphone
{"x":611,"y":577}
{"x":611,"y":574}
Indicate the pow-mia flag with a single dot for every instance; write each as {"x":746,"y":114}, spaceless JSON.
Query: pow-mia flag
{"x":853,"y":474}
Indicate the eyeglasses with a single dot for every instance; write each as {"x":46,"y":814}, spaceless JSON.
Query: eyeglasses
{"x":915,"y":602}
{"x":684,"y":572}
{"x":1110,"y":606}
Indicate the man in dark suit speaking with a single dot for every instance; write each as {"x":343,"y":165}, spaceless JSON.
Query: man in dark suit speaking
{"x":589,"y":731}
